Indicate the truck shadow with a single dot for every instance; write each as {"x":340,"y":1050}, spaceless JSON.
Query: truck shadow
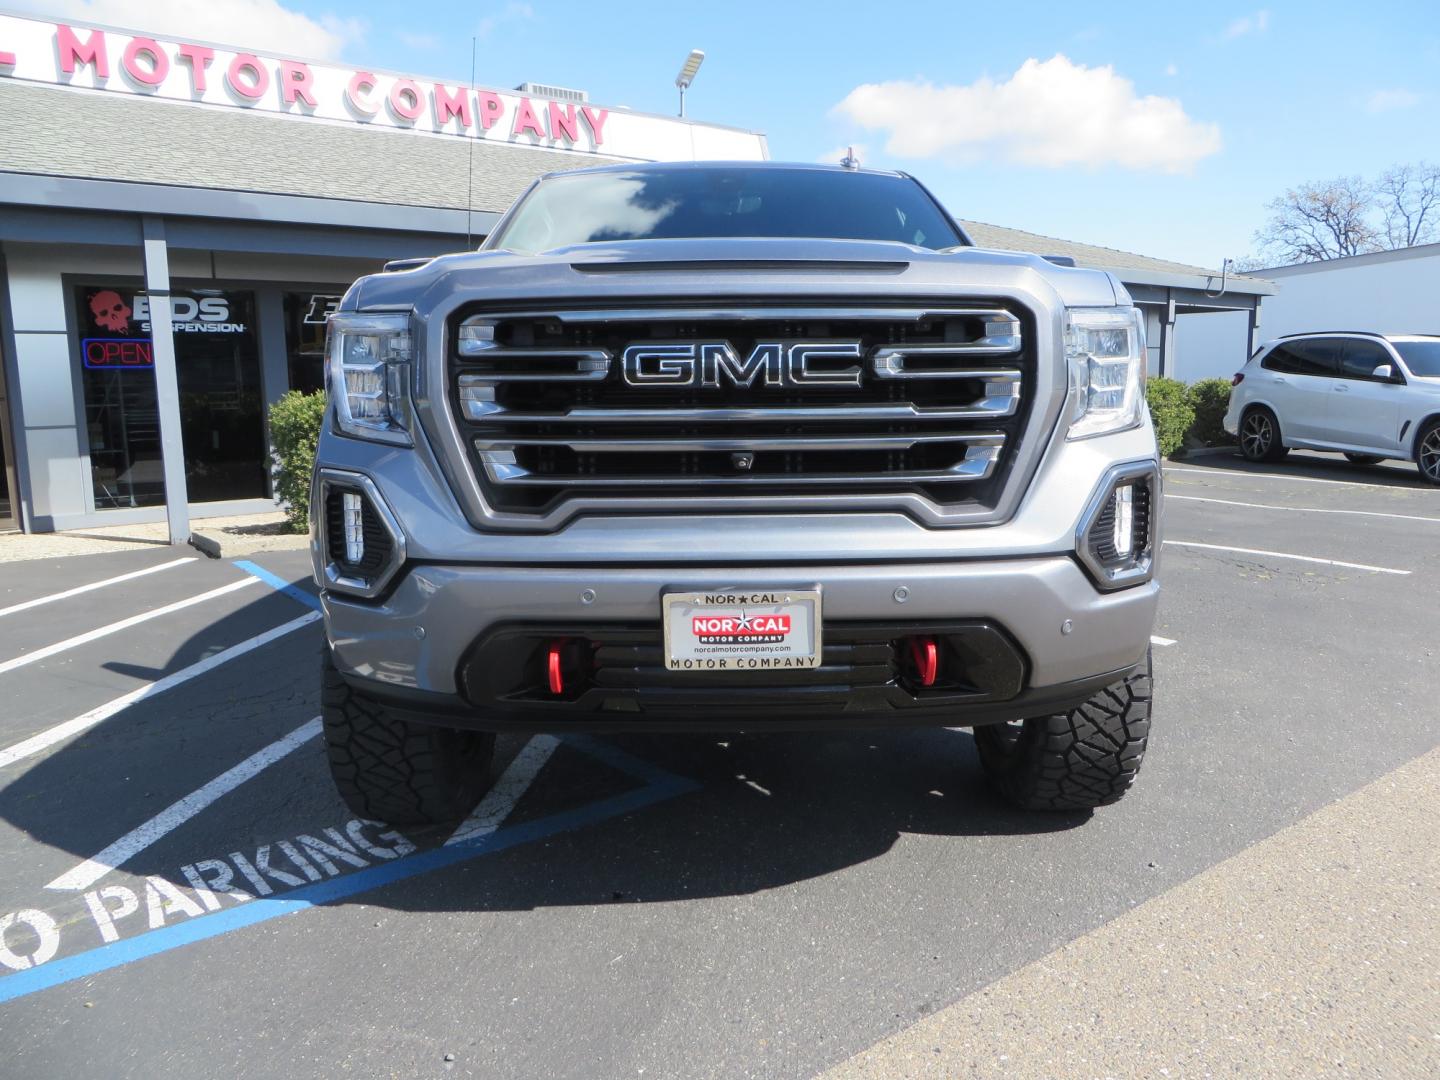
{"x":770,"y":810}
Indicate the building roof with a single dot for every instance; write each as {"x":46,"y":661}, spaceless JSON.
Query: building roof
{"x":1345,"y":262}
{"x":1126,"y":265}
{"x":98,"y":136}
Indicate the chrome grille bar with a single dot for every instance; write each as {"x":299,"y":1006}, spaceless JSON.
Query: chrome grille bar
{"x":978,"y":463}
{"x":1001,"y":398}
{"x":665,"y":445}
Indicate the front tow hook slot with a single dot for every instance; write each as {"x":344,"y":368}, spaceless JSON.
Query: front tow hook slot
{"x":925,"y":651}
{"x":554,"y":667}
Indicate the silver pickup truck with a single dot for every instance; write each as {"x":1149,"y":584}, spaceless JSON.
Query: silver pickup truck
{"x":734,"y":447}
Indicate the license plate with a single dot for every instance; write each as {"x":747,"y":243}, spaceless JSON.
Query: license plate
{"x":742,"y":630}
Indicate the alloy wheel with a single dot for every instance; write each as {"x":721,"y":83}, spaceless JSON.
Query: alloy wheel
{"x":1429,"y":456}
{"x":1257,"y":435}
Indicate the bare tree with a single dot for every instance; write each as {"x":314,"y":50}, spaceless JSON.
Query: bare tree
{"x":1408,"y":197}
{"x":1327,"y":220}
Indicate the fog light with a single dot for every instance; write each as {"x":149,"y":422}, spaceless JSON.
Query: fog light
{"x":1118,"y":535}
{"x":1124,"y":532}
{"x":354,"y":528}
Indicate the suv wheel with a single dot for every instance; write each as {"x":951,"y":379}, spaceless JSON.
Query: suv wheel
{"x":394,"y":770}
{"x":1363,"y":459}
{"x":1077,"y":760}
{"x":1260,"y":436}
{"x":1427,"y":451}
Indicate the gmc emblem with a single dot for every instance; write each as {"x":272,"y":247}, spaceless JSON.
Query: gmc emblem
{"x":710,"y":364}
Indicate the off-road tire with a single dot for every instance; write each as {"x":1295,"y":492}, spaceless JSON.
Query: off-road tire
{"x":1255,"y":443}
{"x":1077,"y":760}
{"x":1427,"y":452}
{"x":1363,"y":459}
{"x":394,"y":770}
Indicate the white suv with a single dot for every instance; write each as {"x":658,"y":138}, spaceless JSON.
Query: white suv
{"x":1368,"y":396}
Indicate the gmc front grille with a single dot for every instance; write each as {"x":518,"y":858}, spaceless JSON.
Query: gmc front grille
{"x":737,"y":402}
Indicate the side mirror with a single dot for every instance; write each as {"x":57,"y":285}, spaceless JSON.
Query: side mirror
{"x":1384,"y":372}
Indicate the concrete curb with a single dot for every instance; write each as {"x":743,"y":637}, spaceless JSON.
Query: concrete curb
{"x":206,"y":545}
{"x":219,"y":544}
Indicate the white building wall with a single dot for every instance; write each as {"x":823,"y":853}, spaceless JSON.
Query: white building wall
{"x":1213,"y":345}
{"x":1388,"y":292}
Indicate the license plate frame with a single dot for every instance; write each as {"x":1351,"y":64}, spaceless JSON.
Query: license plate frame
{"x":716,"y":647}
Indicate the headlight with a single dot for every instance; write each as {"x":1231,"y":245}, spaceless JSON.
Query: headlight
{"x":368,"y":357}
{"x":1105,"y":351}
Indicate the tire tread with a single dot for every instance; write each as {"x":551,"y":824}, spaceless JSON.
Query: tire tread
{"x":392,"y":770}
{"x":1076,"y":760}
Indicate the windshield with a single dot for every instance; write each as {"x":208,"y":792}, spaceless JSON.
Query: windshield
{"x":649,"y":204}
{"x":1421,"y":357}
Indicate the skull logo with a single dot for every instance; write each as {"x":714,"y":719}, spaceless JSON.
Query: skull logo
{"x":110,"y":311}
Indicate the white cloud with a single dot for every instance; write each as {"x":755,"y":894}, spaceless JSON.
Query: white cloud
{"x":1256,"y":23}
{"x":1051,"y":113}
{"x":1385,"y":100}
{"x":512,"y":12}
{"x":256,"y":24}
{"x":418,"y":41}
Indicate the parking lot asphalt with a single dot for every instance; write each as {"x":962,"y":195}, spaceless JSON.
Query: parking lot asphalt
{"x":183,"y":892}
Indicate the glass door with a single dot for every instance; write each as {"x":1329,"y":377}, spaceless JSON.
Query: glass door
{"x":217,"y":364}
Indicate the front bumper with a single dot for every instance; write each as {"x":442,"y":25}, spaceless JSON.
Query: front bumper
{"x":410,"y":647}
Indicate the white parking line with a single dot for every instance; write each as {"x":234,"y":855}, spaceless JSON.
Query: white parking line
{"x":123,"y":624}
{"x":28,"y":604}
{"x":60,"y":732}
{"x":1286,"y":476}
{"x":138,"y":839}
{"x":1162,"y":641}
{"x":1287,"y":555}
{"x":1303,"y":509}
{"x":495,"y":807}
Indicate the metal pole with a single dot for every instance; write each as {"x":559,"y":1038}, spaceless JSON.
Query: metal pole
{"x":167,"y":384}
{"x":682,"y":103}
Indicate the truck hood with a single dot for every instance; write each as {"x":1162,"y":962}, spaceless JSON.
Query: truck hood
{"x":735,"y":267}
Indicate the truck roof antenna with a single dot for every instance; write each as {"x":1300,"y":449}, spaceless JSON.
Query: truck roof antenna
{"x":470,"y":180}
{"x":849,"y":161}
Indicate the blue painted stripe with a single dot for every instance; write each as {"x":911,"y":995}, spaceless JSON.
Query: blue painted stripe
{"x":279,"y":584}
{"x":251,"y":912}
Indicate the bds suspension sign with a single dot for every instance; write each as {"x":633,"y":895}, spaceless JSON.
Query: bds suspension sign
{"x":115,"y":61}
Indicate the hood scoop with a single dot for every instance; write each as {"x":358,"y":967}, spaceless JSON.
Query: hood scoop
{"x":739,"y":254}
{"x":807,"y":266}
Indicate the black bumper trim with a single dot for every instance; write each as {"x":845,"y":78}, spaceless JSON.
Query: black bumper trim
{"x":447,"y":710}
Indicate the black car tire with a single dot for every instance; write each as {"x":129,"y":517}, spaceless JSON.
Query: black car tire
{"x":1260,"y":436}
{"x":1077,"y":760}
{"x":395,"y":770}
{"x":1427,"y":452}
{"x":1363,"y":459}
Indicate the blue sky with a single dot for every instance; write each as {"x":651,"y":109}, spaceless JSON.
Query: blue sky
{"x":1252,"y":98}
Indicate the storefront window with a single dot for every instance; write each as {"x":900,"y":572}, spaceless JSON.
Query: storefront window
{"x":305,"y":315}
{"x":218,"y":370}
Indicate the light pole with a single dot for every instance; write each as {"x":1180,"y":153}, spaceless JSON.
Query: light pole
{"x":687,"y":74}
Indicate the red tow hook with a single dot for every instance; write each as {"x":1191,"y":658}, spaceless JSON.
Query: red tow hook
{"x":553,"y":669}
{"x":927,"y":659}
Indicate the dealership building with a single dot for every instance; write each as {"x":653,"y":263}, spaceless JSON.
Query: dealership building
{"x":177,"y":219}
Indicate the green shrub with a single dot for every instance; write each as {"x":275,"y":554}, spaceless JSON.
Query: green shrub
{"x":1170,"y":412}
{"x":1210,"y":398}
{"x":295,"y":430}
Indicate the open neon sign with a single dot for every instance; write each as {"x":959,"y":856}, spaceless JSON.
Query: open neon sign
{"x":105,"y":353}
